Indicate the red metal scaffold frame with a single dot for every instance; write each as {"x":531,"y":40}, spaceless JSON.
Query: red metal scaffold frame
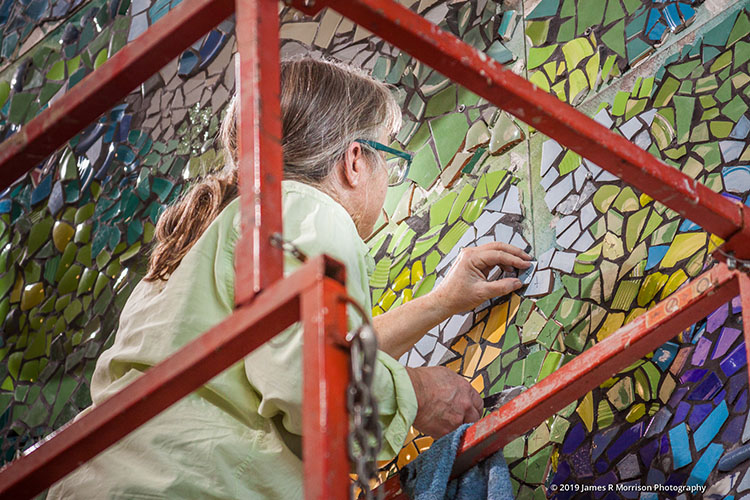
{"x":267,"y":303}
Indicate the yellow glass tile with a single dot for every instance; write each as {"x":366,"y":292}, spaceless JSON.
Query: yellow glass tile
{"x":490,"y":354}
{"x":634,"y":314}
{"x":645,"y":199}
{"x":407,"y":454}
{"x":478,"y":384}
{"x":609,"y":382}
{"x":610,"y":326}
{"x":15,"y":294}
{"x":454,"y":365}
{"x":413,"y":434}
{"x":423,"y":443}
{"x":377,"y":310}
{"x":460,"y":345}
{"x":636,"y":412}
{"x":667,"y":386}
{"x":417,"y":272}
{"x":683,"y":246}
{"x":387,"y":300}
{"x":604,"y":414}
{"x":471,"y":360}
{"x":402,"y":280}
{"x":475,"y":333}
{"x":515,"y":303}
{"x":674,"y":282}
{"x":586,"y":411}
{"x":496,"y":324}
{"x":713,"y":242}
{"x":407,"y":295}
{"x":481,"y":315}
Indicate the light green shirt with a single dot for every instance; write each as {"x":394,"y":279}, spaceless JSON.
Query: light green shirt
{"x":219,"y":442}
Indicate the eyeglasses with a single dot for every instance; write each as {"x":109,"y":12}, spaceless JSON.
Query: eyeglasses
{"x":397,"y":162}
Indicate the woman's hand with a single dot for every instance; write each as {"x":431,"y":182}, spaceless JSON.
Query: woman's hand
{"x":466,"y":286}
{"x":445,"y":400}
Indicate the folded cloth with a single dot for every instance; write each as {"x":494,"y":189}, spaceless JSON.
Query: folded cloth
{"x":427,"y":477}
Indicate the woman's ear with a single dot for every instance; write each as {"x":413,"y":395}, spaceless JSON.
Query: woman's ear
{"x":354,"y":166}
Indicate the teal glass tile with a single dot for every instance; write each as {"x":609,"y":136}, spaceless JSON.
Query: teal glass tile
{"x":680,"y":443}
{"x":711,"y":426}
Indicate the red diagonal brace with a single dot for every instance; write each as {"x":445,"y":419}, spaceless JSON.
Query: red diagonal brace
{"x":106,"y":86}
{"x":482,"y":75}
{"x":591,"y":368}
{"x":259,"y":141}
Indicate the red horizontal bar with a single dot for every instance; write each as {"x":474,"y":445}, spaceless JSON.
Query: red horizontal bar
{"x":591,"y":368}
{"x":164,"y":384}
{"x":106,"y":86}
{"x":482,"y":75}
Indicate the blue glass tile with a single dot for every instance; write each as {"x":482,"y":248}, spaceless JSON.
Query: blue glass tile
{"x":631,"y":489}
{"x":42,"y":191}
{"x":705,"y":465}
{"x":636,"y":25}
{"x":657,"y":33}
{"x":688,"y":225}
{"x":732,"y":432}
{"x":707,"y":389}
{"x":681,"y":413}
{"x":601,"y":440}
{"x":188,"y":62}
{"x":741,"y":404}
{"x":735,"y":360}
{"x":733,"y":458}
{"x":698,"y":414}
{"x":678,"y":437}
{"x":124,"y":128}
{"x":544,"y":9}
{"x":658,"y":422}
{"x":736,"y":384}
{"x":672,"y":16}
{"x":655,"y":255}
{"x":648,"y":452}
{"x":5,"y":205}
{"x":580,"y":461}
{"x":563,"y":472}
{"x":601,"y":466}
{"x":742,"y":129}
{"x":56,"y":199}
{"x":653,"y":16}
{"x":574,"y":439}
{"x":677,"y":396}
{"x":664,"y":449}
{"x":213,"y":44}
{"x":693,"y":375}
{"x":721,"y":396}
{"x":626,"y":440}
{"x":687,"y":11}
{"x":708,"y":429}
{"x":157,"y":10}
{"x":606,"y":479}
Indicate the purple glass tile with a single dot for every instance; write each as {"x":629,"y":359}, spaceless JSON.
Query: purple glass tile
{"x":717,"y":318}
{"x":664,"y":449}
{"x":699,"y":413}
{"x":631,"y":489}
{"x":708,"y":388}
{"x":606,"y":479}
{"x":601,"y":440}
{"x":628,"y":467}
{"x":741,"y":404}
{"x":692,"y":375}
{"x":626,"y":440}
{"x":563,"y":471}
{"x":677,"y":396}
{"x":732,"y":432}
{"x":736,"y":383}
{"x":612,"y":496}
{"x":574,"y":439}
{"x":736,"y":305}
{"x":676,"y":478}
{"x":655,"y":476}
{"x":735,"y":360}
{"x":726,"y":339}
{"x":681,"y":413}
{"x":721,"y":396}
{"x":601,"y":466}
{"x":701,"y":351}
{"x":580,"y":461}
{"x":648,"y":452}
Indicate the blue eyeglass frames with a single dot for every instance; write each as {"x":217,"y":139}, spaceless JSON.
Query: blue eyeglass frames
{"x":398,"y":162}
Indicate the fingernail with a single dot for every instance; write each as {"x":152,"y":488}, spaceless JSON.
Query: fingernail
{"x":517,"y":283}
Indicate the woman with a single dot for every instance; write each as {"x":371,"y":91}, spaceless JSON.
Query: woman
{"x":239,"y":435}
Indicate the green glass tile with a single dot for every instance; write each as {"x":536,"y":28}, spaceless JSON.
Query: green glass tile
{"x":539,"y":55}
{"x":706,"y":84}
{"x":510,"y":339}
{"x":442,"y":102}
{"x":69,"y":280}
{"x":721,"y":129}
{"x":576,"y":51}
{"x":666,"y":91}
{"x":537,"y":31}
{"x":740,"y":29}
{"x":425,"y":285}
{"x":395,"y":270}
{"x":33,"y":294}
{"x":719,"y":35}
{"x":635,"y":107}
{"x":548,"y":303}
{"x":440,"y":209}
{"x":632,"y":5}
{"x":686,"y":87}
{"x":741,"y":54}
{"x":614,"y":12}
{"x":426,"y":242}
{"x":572,"y":285}
{"x":625,"y":295}
{"x":567,"y":30}
{"x":459,"y":203}
{"x":621,"y":101}
{"x":571,"y":311}
{"x":550,"y":365}
{"x":724,"y":94}
{"x":568,"y":8}
{"x":548,"y":334}
{"x":735,"y":109}
{"x":494,"y":181}
{"x":681,"y":71}
{"x":532,"y":365}
{"x":604,"y":197}
{"x":86,"y":283}
{"x":685,"y":107}
{"x":614,"y":38}
{"x":590,"y":13}
{"x":449,"y":132}
{"x":710,"y":114}
{"x":589,"y":284}
{"x":721,"y":62}
{"x":647,"y":87}
{"x":609,"y":64}
{"x":424,"y":168}
{"x":653,"y":222}
{"x":72,"y":311}
{"x":39,"y":234}
{"x":449,"y":240}
{"x":417,"y":107}
{"x":21,"y":103}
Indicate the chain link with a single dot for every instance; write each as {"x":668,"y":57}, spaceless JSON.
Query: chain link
{"x":365,"y":435}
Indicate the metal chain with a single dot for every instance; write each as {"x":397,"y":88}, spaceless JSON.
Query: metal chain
{"x":734,"y":262}
{"x":365,"y":435}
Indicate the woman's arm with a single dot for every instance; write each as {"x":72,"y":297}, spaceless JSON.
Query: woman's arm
{"x":464,"y":288}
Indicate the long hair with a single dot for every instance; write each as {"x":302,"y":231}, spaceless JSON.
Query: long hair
{"x":325,"y":106}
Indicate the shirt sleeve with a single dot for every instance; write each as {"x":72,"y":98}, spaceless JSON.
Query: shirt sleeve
{"x":275,"y":368}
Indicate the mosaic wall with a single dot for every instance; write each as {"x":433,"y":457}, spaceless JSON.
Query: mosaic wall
{"x":670,"y":75}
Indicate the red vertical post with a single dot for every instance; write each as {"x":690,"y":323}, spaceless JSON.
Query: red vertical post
{"x":258,"y":264}
{"x":325,"y":425}
{"x":744,"y":281}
